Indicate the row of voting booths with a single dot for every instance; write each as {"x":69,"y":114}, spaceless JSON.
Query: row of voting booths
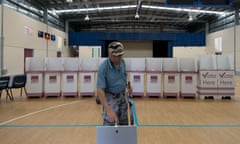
{"x":163,"y":77}
{"x":200,"y":77}
{"x":61,"y":76}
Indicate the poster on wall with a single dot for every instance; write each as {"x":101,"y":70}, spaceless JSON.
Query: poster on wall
{"x":53,"y":37}
{"x":40,"y":34}
{"x":28,"y":30}
{"x":47,"y":36}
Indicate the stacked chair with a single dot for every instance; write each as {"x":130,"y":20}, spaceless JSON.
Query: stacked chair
{"x":4,"y":82}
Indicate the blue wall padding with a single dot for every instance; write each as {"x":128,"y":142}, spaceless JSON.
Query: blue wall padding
{"x":98,"y":38}
{"x":190,"y":39}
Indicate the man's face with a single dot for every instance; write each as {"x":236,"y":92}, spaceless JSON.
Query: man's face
{"x":115,"y":59}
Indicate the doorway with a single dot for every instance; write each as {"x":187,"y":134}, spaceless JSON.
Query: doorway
{"x":160,"y":48}
{"x":27,"y":53}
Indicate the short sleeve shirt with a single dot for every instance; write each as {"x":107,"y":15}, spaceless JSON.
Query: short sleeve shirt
{"x":110,"y":78}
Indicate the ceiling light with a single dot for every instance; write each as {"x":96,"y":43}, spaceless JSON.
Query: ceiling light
{"x":190,"y":18}
{"x":87,"y":18}
{"x":95,"y":9}
{"x":54,"y":12}
{"x":137,"y":16}
{"x":184,"y":9}
{"x":69,"y":1}
{"x":142,"y":6}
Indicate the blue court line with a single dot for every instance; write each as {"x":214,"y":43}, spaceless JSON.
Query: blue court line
{"x":192,"y":125}
{"x":140,"y":125}
{"x":134,"y":114}
{"x":50,"y":126}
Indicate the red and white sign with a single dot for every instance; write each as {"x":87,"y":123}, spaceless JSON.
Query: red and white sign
{"x":70,"y":78}
{"x":34,"y":79}
{"x":87,"y":78}
{"x":52,"y":79}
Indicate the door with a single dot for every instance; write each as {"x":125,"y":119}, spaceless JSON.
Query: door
{"x":27,"y":53}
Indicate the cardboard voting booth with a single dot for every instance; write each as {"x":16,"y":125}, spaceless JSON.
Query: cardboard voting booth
{"x":35,"y":73}
{"x":136,"y":70}
{"x":225,"y":76}
{"x":171,"y":77}
{"x":207,"y":85}
{"x":52,"y":77}
{"x":154,"y":77}
{"x":88,"y":68}
{"x":70,"y":76}
{"x":189,"y":73}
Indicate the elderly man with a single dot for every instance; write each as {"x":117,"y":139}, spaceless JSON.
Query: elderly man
{"x":111,"y":86}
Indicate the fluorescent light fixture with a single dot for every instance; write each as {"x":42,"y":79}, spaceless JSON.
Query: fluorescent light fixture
{"x":143,"y":6}
{"x":183,"y":9}
{"x":69,"y":1}
{"x":95,"y":9}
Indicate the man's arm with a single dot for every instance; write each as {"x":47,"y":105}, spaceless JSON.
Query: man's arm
{"x":112,"y":117}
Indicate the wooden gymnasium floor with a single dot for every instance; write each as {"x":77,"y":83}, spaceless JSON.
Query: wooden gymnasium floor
{"x":160,"y":121}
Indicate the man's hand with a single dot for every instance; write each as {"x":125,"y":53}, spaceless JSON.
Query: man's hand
{"x":112,"y":117}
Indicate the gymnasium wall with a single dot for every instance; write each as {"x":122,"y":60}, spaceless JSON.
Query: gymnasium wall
{"x":138,"y":48}
{"x":20,"y":32}
{"x":137,"y":45}
{"x":230,"y":43}
{"x":188,"y":52}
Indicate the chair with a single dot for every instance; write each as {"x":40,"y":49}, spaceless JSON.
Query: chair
{"x":4,"y":82}
{"x":18,"y":81}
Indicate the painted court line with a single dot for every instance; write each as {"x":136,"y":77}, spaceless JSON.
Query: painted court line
{"x":39,"y":111}
{"x":50,"y":126}
{"x":192,"y":125}
{"x":140,"y":125}
{"x":5,"y":124}
{"x":134,"y":114}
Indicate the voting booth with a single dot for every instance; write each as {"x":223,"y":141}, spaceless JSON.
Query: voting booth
{"x":171,"y":77}
{"x":208,"y":79}
{"x":87,"y":79}
{"x":136,"y":71}
{"x":100,"y":60}
{"x":154,"y":77}
{"x":52,"y":77}
{"x":225,"y":76}
{"x":189,"y":73}
{"x":70,"y":76}
{"x":35,"y":73}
